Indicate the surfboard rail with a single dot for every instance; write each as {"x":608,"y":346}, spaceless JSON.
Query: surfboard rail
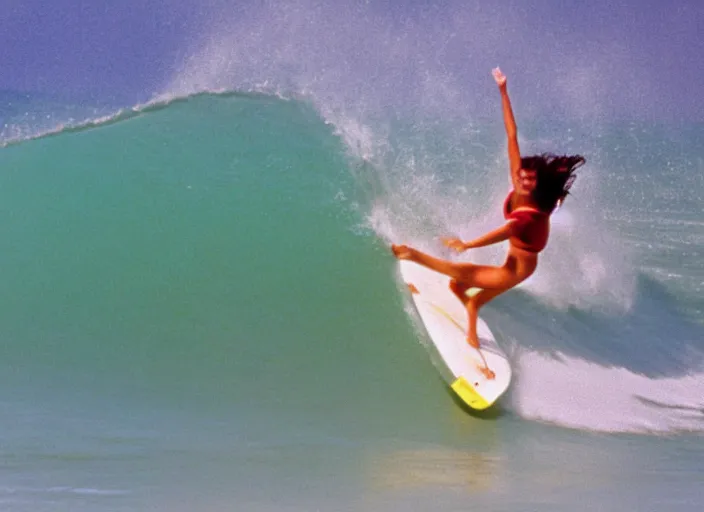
{"x":445,"y":322}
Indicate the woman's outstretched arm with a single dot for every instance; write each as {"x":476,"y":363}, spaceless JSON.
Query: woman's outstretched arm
{"x":493,"y":237}
{"x":514,"y":153}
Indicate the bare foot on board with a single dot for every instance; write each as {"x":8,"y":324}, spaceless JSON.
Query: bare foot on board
{"x":473,"y":342}
{"x":487,"y":373}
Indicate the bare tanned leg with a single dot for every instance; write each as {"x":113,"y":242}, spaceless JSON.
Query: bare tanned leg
{"x":470,"y":275}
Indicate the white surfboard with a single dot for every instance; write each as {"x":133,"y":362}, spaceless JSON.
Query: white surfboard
{"x":445,"y":320}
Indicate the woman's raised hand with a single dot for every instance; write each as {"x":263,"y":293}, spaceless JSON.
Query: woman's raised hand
{"x":499,"y":77}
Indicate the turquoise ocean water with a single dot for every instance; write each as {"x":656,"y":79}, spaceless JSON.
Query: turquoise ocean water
{"x":199,"y":310}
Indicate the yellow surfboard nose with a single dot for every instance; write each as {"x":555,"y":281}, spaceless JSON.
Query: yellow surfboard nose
{"x":467,"y":393}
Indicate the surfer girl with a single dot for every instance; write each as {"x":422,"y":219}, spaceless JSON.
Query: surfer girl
{"x":540,"y":185}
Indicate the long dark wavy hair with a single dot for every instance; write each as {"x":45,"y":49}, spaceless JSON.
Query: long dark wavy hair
{"x":555,"y":176}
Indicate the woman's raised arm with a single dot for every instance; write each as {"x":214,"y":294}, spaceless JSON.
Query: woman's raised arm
{"x":514,"y":153}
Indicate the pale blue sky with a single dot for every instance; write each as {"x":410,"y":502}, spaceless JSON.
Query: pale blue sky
{"x":647,"y":53}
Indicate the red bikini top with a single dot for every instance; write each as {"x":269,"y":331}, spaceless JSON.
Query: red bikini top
{"x":530,"y":228}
